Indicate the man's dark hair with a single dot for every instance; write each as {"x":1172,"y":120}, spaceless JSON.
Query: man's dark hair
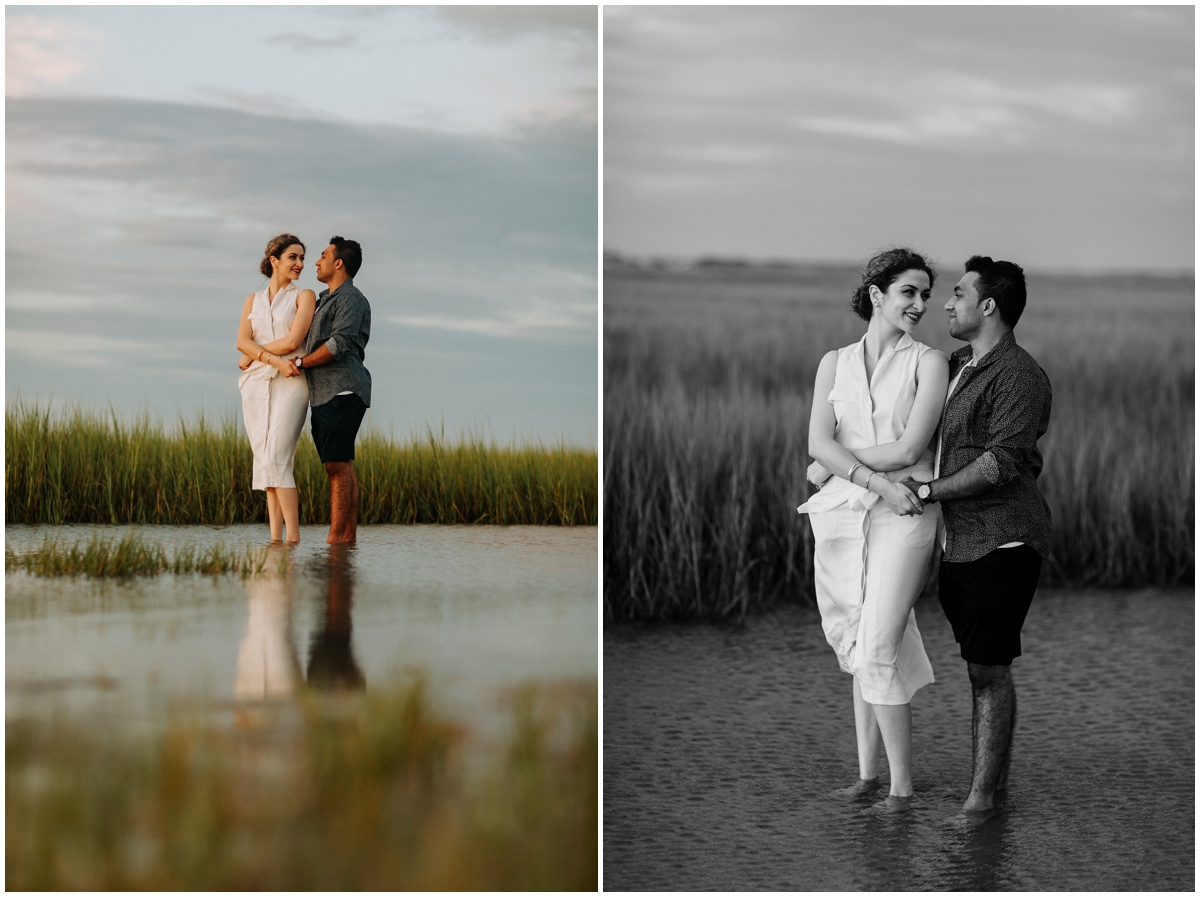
{"x":1002,"y":282}
{"x":349,"y":252}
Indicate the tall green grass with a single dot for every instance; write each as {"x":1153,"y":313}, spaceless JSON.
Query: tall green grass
{"x":707,"y":390}
{"x":81,"y":467}
{"x":361,"y":793}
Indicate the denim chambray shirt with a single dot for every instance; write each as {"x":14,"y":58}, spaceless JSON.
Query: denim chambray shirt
{"x":997,"y":413}
{"x":342,"y":321}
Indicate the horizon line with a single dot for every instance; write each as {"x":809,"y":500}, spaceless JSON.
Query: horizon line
{"x":679,"y":261}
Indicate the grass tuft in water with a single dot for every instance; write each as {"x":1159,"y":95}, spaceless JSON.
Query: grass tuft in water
{"x":131,"y":555}
{"x":80,"y":467}
{"x":358,"y":793}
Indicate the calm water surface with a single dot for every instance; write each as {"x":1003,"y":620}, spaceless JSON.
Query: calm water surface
{"x":478,"y":610}
{"x":722,"y":746}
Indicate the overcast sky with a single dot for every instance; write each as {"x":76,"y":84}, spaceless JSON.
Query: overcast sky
{"x":151,"y":153}
{"x":1058,"y":137}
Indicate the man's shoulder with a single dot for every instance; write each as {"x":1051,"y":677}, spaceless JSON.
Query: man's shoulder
{"x":354,"y":294}
{"x":1021,"y":367}
{"x":1020,"y":357}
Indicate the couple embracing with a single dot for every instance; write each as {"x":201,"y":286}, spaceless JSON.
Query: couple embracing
{"x":300,"y":350}
{"x":917,"y":451}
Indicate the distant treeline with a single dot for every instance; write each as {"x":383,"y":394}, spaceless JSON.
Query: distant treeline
{"x":707,"y":388}
{"x":82,"y":467}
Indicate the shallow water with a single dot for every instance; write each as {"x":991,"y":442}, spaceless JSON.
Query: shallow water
{"x":477,"y":610}
{"x":722,"y":747}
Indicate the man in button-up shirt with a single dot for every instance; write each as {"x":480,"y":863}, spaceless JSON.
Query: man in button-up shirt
{"x":997,"y":522}
{"x":339,"y":386}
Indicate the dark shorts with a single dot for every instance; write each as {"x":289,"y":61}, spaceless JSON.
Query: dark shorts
{"x":986,"y":602}
{"x":334,"y":426}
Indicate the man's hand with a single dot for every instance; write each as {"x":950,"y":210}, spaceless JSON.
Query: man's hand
{"x":818,"y":475}
{"x":902,"y":500}
{"x":913,"y":486}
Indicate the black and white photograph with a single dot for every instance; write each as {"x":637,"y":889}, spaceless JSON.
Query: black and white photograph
{"x":898,"y":448}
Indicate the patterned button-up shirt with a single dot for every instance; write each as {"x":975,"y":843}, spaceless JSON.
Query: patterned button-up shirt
{"x":998,"y":411}
{"x":342,"y":321}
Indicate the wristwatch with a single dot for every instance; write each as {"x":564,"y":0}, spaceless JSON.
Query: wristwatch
{"x":923,"y":492}
{"x":298,"y":362}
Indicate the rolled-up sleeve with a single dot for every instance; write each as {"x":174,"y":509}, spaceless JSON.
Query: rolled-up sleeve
{"x":1019,"y":413}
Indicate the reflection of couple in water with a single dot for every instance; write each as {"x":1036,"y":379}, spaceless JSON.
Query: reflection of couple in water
{"x":915,"y":453}
{"x":267,"y":663}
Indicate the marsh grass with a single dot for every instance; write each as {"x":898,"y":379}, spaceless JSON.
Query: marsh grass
{"x":367,"y":792}
{"x":132,"y":555}
{"x":81,"y":467}
{"x":707,"y":390}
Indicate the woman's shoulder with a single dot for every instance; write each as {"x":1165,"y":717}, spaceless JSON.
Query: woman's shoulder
{"x":929,"y":352}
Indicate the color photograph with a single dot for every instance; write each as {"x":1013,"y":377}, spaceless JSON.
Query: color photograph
{"x":301,"y":448}
{"x":898,"y":448}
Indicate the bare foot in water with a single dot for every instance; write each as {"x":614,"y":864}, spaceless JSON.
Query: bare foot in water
{"x":890,"y":806}
{"x":974,"y":818}
{"x":861,"y":788}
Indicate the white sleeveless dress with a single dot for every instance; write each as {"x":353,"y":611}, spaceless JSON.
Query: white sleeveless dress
{"x":871,"y":563}
{"x":273,"y":406}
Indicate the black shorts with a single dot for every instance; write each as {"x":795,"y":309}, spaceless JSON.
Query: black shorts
{"x":986,"y":601}
{"x":334,"y":426}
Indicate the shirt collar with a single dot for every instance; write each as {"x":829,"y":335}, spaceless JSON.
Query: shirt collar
{"x":325,"y":294}
{"x":1006,"y":342}
{"x":904,"y":342}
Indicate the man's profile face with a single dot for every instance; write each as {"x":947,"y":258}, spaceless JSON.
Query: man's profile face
{"x":327,"y":264}
{"x":965,"y":317}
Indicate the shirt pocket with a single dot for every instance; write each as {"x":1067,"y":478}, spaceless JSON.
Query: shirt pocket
{"x":842,"y":394}
{"x":261,"y":326}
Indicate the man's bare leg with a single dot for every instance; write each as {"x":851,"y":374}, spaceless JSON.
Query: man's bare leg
{"x":351,"y":533}
{"x":994,"y":718}
{"x":1002,"y":784}
{"x":343,"y":502}
{"x":274,"y":515}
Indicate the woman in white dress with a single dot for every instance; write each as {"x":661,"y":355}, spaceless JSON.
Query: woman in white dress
{"x":271,"y":332}
{"x":876,"y":407}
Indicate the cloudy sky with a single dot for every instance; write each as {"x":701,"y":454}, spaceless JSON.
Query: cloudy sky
{"x":1059,"y":137}
{"x":151,"y":153}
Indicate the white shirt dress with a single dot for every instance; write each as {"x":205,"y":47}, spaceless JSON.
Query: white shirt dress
{"x":870,"y":563}
{"x":273,"y":406}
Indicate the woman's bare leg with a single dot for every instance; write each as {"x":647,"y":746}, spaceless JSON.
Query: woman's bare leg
{"x":274,"y":515}
{"x":866,"y":729}
{"x":289,"y":501}
{"x":895,"y":724}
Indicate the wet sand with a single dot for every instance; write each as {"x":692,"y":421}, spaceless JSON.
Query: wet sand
{"x":722,"y":747}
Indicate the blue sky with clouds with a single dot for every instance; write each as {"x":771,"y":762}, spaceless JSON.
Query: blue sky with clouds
{"x":1060,"y":137}
{"x":151,"y":152}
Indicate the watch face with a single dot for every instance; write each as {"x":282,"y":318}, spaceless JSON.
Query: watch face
{"x":923,"y":493}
